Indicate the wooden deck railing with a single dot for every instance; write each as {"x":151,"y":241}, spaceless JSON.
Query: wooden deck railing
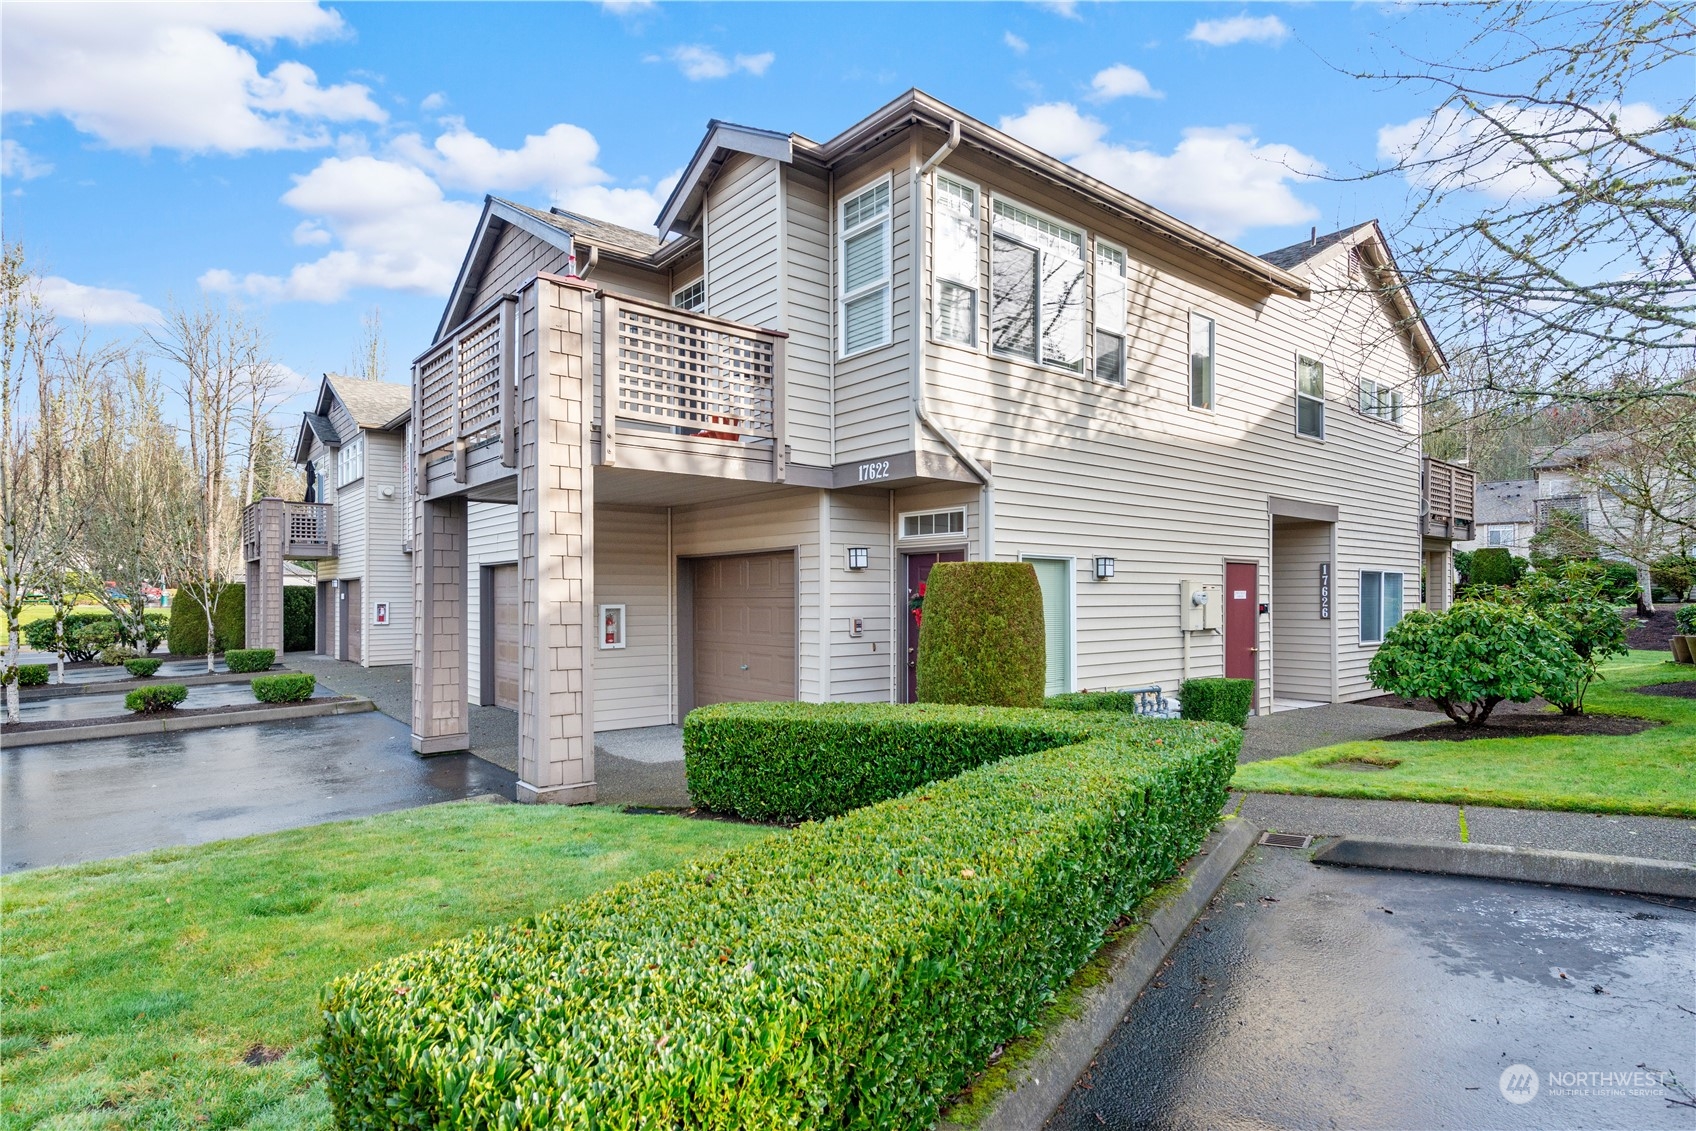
{"x":1451,"y":492}
{"x":308,"y":529}
{"x":463,"y":388}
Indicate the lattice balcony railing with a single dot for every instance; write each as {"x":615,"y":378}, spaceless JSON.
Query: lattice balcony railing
{"x":1450,"y":496}
{"x":464,"y":387}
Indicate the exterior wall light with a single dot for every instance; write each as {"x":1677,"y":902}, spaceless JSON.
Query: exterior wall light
{"x":1103,"y":568}
{"x":859,"y":557}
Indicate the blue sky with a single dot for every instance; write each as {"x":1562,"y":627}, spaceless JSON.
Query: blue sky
{"x":311,"y":162}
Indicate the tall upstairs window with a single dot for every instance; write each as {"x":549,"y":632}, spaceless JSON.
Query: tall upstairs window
{"x":865,"y":269}
{"x":1202,"y":346}
{"x":1036,"y":288}
{"x":954,"y":254}
{"x":1310,"y":398}
{"x":350,"y":462}
{"x":1110,"y":313}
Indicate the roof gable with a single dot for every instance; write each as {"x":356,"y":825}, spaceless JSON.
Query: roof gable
{"x":722,"y":140}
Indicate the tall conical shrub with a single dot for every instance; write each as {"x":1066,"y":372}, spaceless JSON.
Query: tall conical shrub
{"x":981,"y":639}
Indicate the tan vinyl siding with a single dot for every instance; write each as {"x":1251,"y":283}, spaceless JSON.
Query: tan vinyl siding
{"x":873,"y":400}
{"x":860,"y":668}
{"x":517,"y":257}
{"x":742,"y":241}
{"x":627,"y":280}
{"x":1302,"y":642}
{"x":491,"y":537}
{"x":633,"y":684}
{"x":807,"y":317}
{"x":388,"y":569}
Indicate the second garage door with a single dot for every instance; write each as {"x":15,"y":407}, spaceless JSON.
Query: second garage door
{"x":505,"y":636}
{"x":744,"y":624}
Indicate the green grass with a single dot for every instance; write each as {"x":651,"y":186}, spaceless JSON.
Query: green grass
{"x":1652,"y":773}
{"x":131,"y":989}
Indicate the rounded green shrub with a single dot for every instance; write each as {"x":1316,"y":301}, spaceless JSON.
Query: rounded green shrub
{"x":1685,"y":619}
{"x":188,"y":621}
{"x":1494,"y":565}
{"x":1216,"y":700}
{"x":290,"y":687}
{"x":249,"y":659}
{"x":982,"y":640}
{"x":155,"y":698}
{"x":141,"y":667}
{"x":116,"y":654}
{"x":1577,"y":605}
{"x":32,"y":675}
{"x":300,"y":618}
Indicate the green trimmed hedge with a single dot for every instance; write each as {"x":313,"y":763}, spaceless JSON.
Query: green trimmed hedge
{"x":32,"y":675}
{"x":188,"y":621}
{"x":1116,"y":702}
{"x":982,"y":641}
{"x":141,"y":667}
{"x":852,"y":973}
{"x":1495,"y":565}
{"x":300,"y":618}
{"x":155,"y":698}
{"x":290,"y":687}
{"x":806,"y":761}
{"x":249,"y":659}
{"x":1216,"y":700}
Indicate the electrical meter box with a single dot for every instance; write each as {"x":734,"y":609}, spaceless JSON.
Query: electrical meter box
{"x":1202,"y":606}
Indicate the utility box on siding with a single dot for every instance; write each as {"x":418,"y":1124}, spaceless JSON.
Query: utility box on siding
{"x":1202,"y":606}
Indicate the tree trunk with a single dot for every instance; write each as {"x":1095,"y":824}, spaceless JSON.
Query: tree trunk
{"x":1483,"y":715}
{"x":210,"y":608}
{"x":59,"y":643}
{"x":1645,"y":592}
{"x":12,"y":668}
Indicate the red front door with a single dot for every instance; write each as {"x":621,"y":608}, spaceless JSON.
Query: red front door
{"x":1242,"y":620}
{"x":918,"y":569}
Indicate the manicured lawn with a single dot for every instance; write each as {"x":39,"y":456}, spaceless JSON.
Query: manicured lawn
{"x":1652,"y":773}
{"x":132,"y":989}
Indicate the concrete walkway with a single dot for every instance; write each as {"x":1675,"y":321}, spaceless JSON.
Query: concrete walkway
{"x":1292,"y":732}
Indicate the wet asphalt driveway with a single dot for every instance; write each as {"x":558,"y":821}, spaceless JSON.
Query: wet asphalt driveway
{"x":109,"y":797}
{"x":1316,"y":997}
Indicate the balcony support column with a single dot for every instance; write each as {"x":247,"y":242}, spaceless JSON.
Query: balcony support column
{"x":440,"y":712}
{"x":265,"y":575}
{"x":556,"y":732}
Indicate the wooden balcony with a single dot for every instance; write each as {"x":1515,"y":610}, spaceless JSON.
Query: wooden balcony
{"x":1451,"y":492}
{"x":674,"y":391}
{"x":307,"y":531}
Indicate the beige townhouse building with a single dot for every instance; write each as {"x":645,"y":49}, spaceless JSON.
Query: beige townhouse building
{"x":717,"y":463}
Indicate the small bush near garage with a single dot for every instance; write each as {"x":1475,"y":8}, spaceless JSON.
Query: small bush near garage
{"x":290,"y":687}
{"x":249,"y":659}
{"x":806,"y":761}
{"x":300,"y":618}
{"x":1216,"y":700}
{"x":982,"y":640}
{"x":1473,"y":657}
{"x":188,"y":620}
{"x":854,"y":973}
{"x":159,"y":697}
{"x":1114,"y":702}
{"x":141,"y":667}
{"x":32,"y":675}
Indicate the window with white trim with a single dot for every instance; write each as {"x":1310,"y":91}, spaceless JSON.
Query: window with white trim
{"x":691,"y":297}
{"x":1498,"y":535}
{"x":1202,"y":345}
{"x":933,"y":524}
{"x":350,"y":462}
{"x":1381,"y":401}
{"x":1380,"y":604}
{"x":1111,"y":294}
{"x":954,"y":258}
{"x":1036,"y":288}
{"x":865,"y":269}
{"x":1310,"y":397}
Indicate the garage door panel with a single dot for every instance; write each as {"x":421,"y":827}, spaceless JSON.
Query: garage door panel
{"x":744,"y":622}
{"x":508,"y":620}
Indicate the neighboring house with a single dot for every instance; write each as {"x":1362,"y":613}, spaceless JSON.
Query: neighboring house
{"x":1506,"y":516}
{"x":659,"y":474}
{"x":355,"y":523}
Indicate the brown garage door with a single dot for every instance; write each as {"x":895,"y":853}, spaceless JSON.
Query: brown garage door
{"x":505,"y":636}
{"x":744,"y":628}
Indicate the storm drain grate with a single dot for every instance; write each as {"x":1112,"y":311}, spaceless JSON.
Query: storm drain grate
{"x":1286,"y":840}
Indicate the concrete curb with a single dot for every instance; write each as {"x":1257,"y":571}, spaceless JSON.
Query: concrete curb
{"x":169,"y":724}
{"x":117,"y":686}
{"x":1039,"y":1086}
{"x":1668,"y":878}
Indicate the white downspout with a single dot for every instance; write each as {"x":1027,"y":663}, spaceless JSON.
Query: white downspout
{"x":916,"y":370}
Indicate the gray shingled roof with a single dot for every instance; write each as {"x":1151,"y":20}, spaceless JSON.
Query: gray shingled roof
{"x":1573,"y":451}
{"x":595,"y":233}
{"x":372,"y":404}
{"x":323,"y":429}
{"x":1511,"y":500}
{"x":1298,"y":253}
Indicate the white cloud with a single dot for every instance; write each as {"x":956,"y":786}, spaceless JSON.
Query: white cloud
{"x":1223,"y":180}
{"x":95,"y":305}
{"x":143,"y":75}
{"x":697,"y":62}
{"x":1018,"y":45}
{"x":1067,"y":9}
{"x":626,"y":7}
{"x":1121,"y":81}
{"x":560,"y":158}
{"x":1240,"y":29}
{"x":433,"y":102}
{"x":16,"y":161}
{"x":1454,"y":149}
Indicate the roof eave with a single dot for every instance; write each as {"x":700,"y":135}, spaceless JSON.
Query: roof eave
{"x":722,"y":137}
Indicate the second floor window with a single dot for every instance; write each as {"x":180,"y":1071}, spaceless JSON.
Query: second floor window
{"x":1036,"y":288}
{"x":954,"y":253}
{"x":691,"y":297}
{"x":350,"y":462}
{"x":864,"y":256}
{"x":1381,"y":401}
{"x":1201,"y":361}
{"x":1110,"y":296}
{"x":1310,"y":398}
